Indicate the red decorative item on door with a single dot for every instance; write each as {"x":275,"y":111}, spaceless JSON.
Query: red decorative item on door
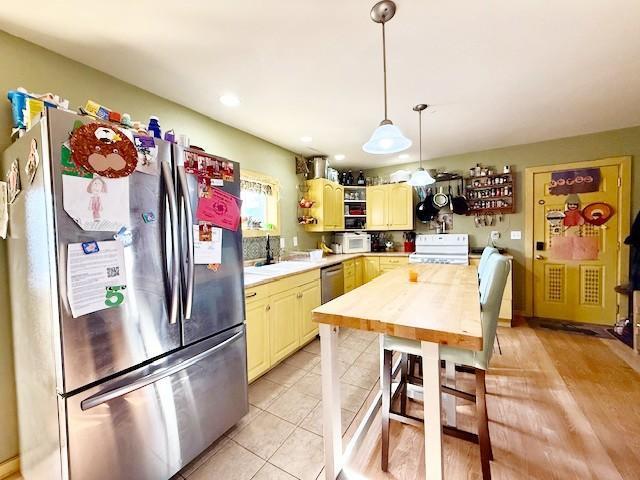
{"x":597,"y":213}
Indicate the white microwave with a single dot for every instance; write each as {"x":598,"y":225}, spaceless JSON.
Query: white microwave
{"x":354,"y":242}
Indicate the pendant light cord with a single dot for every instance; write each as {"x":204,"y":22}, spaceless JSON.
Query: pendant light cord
{"x":384,"y":68}
{"x":420,"y":132}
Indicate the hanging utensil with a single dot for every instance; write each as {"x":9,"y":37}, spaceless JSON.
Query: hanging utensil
{"x":440,"y":200}
{"x":459,"y":203}
{"x":425,"y":210}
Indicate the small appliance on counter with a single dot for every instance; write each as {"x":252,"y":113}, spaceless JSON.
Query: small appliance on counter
{"x":450,"y":248}
{"x":354,"y":242}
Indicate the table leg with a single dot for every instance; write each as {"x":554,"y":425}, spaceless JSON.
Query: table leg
{"x":449,"y":401}
{"x":432,"y":424}
{"x":332,"y":429}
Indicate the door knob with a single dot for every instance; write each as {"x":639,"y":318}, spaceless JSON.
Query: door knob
{"x":539,"y":257}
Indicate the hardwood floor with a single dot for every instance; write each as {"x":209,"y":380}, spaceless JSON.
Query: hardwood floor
{"x":561,"y":406}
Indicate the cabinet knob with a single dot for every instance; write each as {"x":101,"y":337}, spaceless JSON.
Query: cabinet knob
{"x":268,"y":307}
{"x":539,"y":257}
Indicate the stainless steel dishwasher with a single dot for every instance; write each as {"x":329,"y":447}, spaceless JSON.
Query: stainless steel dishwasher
{"x":332,"y":282}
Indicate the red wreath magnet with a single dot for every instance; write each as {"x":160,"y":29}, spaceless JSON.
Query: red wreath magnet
{"x":104,"y":150}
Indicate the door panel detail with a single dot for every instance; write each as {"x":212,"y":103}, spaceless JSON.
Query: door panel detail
{"x":554,"y":283}
{"x":590,"y":285}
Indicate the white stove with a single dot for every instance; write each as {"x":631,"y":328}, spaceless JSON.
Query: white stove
{"x":450,"y":248}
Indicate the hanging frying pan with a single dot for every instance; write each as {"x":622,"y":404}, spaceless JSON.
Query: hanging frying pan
{"x":440,"y":200}
{"x":425,"y":211}
{"x":459,"y":203}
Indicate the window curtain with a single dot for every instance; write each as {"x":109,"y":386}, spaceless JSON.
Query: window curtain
{"x":256,"y":186}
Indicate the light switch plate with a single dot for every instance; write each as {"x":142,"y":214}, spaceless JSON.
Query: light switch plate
{"x":295,"y":241}
{"x":516,"y":235}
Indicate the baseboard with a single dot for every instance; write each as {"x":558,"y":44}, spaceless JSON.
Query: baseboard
{"x":9,"y":467}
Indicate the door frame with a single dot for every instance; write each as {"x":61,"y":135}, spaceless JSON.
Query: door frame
{"x":624,"y":225}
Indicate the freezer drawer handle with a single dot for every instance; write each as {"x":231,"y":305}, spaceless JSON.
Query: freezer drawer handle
{"x":103,"y":397}
{"x":173,"y":214}
{"x":188,"y":303}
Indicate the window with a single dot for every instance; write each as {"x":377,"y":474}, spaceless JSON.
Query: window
{"x":260,"y":196}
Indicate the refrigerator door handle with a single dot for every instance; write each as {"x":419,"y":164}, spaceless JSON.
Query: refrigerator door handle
{"x":191,"y":270}
{"x":103,"y":397}
{"x":175,"y":260}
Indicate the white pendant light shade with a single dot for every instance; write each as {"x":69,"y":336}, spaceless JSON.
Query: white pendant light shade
{"x":421,"y":178}
{"x":387,"y":138}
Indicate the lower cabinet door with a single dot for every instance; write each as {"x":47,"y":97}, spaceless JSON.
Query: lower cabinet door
{"x":309,"y":298}
{"x":283,"y":324}
{"x":371,"y":268}
{"x":258,"y":355}
{"x":359,"y":271}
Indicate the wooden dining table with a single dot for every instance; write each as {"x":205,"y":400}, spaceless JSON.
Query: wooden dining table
{"x":441,"y":308}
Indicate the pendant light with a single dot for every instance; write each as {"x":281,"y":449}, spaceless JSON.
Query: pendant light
{"x":387,"y":138}
{"x":420,"y":177}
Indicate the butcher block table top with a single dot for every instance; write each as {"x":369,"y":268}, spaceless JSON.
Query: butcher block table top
{"x":443,"y":306}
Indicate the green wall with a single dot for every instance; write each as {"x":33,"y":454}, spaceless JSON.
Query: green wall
{"x":40,"y":70}
{"x":585,"y":147}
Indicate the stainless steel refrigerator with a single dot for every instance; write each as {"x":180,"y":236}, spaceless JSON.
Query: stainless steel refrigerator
{"x":137,"y":391}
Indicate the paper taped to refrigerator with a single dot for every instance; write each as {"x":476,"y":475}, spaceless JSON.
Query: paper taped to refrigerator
{"x":97,"y":204}
{"x":95,"y":280}
{"x":207,"y":244}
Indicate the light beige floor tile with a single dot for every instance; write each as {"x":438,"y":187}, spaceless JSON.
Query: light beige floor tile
{"x":264,"y":434}
{"x":368,"y":360}
{"x":263,"y":392}
{"x":364,"y":335}
{"x":232,"y":462}
{"x":347,"y":355}
{"x":374,"y":347}
{"x":301,"y":455}
{"x":293,"y":406}
{"x":352,"y":397}
{"x":355,"y":344}
{"x":313,"y":347}
{"x":270,"y":472}
{"x":204,"y":456}
{"x":361,"y":377}
{"x":310,"y":384}
{"x":285,"y":374}
{"x":303,"y":360}
{"x":313,"y":422}
{"x":253,"y":413}
{"x":342,"y":367}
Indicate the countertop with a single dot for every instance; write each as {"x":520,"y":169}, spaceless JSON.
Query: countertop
{"x":392,"y":304}
{"x":253,"y":280}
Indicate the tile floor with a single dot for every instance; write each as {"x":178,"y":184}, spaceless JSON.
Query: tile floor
{"x":281,"y":436}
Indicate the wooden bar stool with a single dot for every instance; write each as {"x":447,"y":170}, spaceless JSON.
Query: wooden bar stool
{"x":492,"y":287}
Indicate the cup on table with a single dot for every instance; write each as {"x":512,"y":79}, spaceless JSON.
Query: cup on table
{"x":413,"y":275}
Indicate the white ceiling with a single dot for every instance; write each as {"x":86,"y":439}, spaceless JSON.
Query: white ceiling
{"x":497,"y":72}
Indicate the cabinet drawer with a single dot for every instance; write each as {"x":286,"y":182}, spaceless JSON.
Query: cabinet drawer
{"x":393,"y":261}
{"x":293,"y":281}
{"x":255,"y":294}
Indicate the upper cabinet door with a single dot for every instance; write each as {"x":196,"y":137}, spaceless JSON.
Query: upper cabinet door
{"x":400,"y":207}
{"x":329,"y":206}
{"x":339,"y":207}
{"x":377,"y":208}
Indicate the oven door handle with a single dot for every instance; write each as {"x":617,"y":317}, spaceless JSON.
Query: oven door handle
{"x":103,"y":397}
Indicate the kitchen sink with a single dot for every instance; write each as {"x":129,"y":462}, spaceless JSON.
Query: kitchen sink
{"x":287,"y":266}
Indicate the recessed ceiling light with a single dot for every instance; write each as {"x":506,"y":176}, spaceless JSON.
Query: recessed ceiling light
{"x":230,"y":100}
{"x":404,"y":156}
{"x":306,"y":139}
{"x":340,"y":156}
